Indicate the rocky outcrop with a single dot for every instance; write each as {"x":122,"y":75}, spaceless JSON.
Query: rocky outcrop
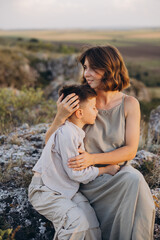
{"x":41,"y":70}
{"x":51,"y":91}
{"x":139,"y":90}
{"x":136,"y":89}
{"x":143,"y":156}
{"x":19,"y":151}
{"x":17,"y":213}
{"x":50,"y":69}
{"x":35,"y":70}
{"x":154,"y":129}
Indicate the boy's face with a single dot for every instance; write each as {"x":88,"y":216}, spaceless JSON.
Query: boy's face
{"x":89,"y":111}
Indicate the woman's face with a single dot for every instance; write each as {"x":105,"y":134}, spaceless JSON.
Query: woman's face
{"x":93,"y":77}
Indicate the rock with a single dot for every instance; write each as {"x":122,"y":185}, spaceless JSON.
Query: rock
{"x":51,"y":91}
{"x":25,"y":126}
{"x":139,"y":90}
{"x":2,"y":139}
{"x":18,"y":154}
{"x":154,"y":129}
{"x":18,"y":213}
{"x":52,"y":69}
{"x":143,"y":156}
{"x":16,"y":162}
{"x":143,"y":161}
{"x":156,"y":198}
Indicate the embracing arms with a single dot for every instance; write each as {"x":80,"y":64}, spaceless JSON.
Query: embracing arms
{"x":65,"y":145}
{"x":125,"y":153}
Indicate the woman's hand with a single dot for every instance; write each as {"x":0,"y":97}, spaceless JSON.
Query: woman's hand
{"x":82,"y":161}
{"x":67,"y":106}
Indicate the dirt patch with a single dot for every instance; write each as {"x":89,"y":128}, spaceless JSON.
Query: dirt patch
{"x":152,"y":35}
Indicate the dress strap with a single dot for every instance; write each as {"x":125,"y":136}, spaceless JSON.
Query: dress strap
{"x":122,"y":104}
{"x":123,"y":97}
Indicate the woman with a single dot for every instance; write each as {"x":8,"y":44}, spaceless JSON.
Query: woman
{"x":123,"y":203}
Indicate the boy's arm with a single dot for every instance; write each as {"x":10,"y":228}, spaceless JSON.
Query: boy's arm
{"x":67,"y":149}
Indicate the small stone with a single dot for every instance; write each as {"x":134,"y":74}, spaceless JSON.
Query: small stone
{"x":25,"y":126}
{"x":17,"y":169}
{"x":27,"y":222}
{"x":2,"y":139}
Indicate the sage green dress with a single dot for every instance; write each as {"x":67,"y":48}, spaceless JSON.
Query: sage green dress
{"x":123,"y":203}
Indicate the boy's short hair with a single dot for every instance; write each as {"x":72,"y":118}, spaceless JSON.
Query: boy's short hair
{"x":84,"y":92}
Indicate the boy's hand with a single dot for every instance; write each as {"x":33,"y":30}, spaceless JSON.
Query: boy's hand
{"x":110,"y":169}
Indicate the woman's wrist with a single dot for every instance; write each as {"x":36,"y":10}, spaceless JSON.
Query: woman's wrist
{"x":93,"y":159}
{"x":58,"y":121}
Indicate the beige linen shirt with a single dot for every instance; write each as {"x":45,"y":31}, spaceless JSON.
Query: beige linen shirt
{"x":52,"y":165}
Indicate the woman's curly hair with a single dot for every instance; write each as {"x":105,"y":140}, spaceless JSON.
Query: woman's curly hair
{"x":109,"y":59}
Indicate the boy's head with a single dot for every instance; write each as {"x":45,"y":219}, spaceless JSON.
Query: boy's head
{"x":87,"y":110}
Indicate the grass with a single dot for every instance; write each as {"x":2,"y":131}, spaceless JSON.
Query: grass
{"x":151,"y":172}
{"x":149,"y":75}
{"x":146,"y":108}
{"x":154,"y":92}
{"x":25,"y":106}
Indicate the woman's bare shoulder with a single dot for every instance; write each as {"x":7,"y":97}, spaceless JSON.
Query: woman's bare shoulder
{"x":131,"y":104}
{"x":131,"y":100}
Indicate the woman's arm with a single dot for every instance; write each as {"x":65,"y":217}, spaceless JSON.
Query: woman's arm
{"x":65,"y":108}
{"x":125,"y":153}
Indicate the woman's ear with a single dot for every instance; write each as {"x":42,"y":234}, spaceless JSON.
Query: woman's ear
{"x":79,"y":113}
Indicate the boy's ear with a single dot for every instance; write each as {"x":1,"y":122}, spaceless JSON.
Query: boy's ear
{"x":79,"y":113}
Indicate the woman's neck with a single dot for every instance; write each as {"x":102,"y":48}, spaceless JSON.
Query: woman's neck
{"x":107,"y":99}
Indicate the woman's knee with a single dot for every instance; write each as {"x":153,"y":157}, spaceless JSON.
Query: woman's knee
{"x":133,"y":177}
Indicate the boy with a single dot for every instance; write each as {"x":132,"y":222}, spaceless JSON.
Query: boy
{"x":53,"y":191}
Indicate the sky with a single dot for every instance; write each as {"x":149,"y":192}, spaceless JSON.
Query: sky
{"x":77,"y":14}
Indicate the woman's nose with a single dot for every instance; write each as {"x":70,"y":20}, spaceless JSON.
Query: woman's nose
{"x":87,"y":72}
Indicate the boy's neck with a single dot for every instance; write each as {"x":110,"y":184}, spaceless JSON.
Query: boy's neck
{"x":76,"y":122}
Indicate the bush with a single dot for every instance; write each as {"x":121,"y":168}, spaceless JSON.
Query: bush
{"x":151,"y":173}
{"x":15,"y":70}
{"x":148,"y":75}
{"x":146,"y":108}
{"x":25,"y":106}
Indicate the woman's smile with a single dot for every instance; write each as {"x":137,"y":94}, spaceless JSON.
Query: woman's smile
{"x":89,"y":81}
